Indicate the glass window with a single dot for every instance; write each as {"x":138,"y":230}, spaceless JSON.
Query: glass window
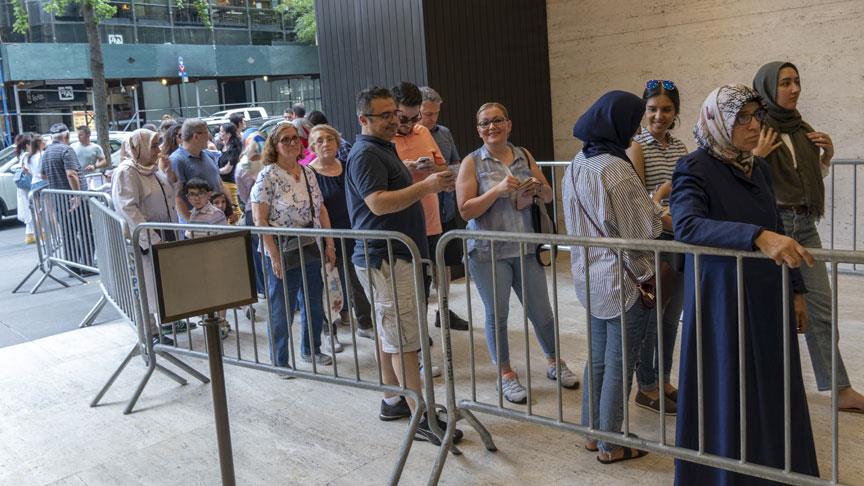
{"x":153,"y":35}
{"x":152,"y":12}
{"x":191,"y":36}
{"x":230,"y":16}
{"x":124,"y":10}
{"x":264,"y":38}
{"x":232,"y":36}
{"x":70,"y":33}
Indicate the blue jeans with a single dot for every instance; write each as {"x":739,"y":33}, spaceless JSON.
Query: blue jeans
{"x":802,"y":227}
{"x":608,"y":390}
{"x":509,"y":275}
{"x":256,"y":256}
{"x":648,"y":368}
{"x":277,"y":325}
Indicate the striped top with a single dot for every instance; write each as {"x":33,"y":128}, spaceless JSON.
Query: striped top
{"x":612,"y":195}
{"x":659,"y":161}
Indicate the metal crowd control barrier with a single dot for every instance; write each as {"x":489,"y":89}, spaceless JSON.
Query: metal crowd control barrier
{"x":464,"y":408}
{"x":845,"y":167}
{"x":250,"y":346}
{"x":64,"y":239}
{"x":120,"y":288}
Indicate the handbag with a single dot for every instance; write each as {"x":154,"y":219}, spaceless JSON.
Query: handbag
{"x":648,"y":287}
{"x":23,"y":179}
{"x":541,"y":223}
{"x":292,"y":245}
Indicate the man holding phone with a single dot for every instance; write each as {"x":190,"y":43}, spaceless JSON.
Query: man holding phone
{"x":419,"y":152}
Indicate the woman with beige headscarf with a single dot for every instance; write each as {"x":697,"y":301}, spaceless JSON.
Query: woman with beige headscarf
{"x":142,"y":193}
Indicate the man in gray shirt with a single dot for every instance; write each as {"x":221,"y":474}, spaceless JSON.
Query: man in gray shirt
{"x":90,"y":155}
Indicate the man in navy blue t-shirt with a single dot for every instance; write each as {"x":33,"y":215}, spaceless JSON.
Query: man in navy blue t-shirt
{"x":381,"y":196}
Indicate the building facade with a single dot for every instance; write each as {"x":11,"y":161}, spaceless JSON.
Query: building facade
{"x":158,"y":59}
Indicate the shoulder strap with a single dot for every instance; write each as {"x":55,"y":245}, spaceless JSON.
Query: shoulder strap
{"x":309,"y":190}
{"x":597,"y":227}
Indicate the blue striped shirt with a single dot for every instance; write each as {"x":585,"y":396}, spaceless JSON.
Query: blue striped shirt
{"x":612,"y":195}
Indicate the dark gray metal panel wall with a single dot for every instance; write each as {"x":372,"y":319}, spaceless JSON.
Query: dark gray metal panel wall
{"x":491,"y":50}
{"x":366,"y":43}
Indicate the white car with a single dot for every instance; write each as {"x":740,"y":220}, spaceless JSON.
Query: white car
{"x":9,"y":164}
{"x":222,"y":117}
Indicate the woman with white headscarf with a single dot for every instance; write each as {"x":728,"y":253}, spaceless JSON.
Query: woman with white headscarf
{"x":142,"y":193}
{"x":722,"y":197}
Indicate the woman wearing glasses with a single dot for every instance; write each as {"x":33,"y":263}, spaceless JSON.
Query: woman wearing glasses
{"x":799,"y":160}
{"x":654,"y":152}
{"x":330,"y":173}
{"x":494,"y":191}
{"x":722,"y":197}
{"x":286,"y":195}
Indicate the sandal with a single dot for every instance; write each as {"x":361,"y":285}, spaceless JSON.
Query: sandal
{"x":590,"y":448}
{"x":628,"y":454}
{"x":852,"y":410}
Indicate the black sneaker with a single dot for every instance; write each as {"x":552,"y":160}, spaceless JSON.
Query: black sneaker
{"x":424,"y":434}
{"x":394,"y":412}
{"x":163,"y":340}
{"x":456,"y":322}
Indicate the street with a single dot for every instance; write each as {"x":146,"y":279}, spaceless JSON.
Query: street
{"x":53,"y":309}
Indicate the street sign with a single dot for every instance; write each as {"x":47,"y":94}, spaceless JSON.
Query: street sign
{"x":65,"y":93}
{"x":181,"y":70}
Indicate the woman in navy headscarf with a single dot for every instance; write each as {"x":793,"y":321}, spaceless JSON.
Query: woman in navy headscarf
{"x":604,"y":197}
{"x":722,"y":196}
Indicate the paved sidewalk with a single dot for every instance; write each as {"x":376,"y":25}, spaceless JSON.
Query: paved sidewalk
{"x":53,"y":309}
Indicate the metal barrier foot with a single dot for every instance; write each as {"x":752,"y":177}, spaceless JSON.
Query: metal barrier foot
{"x":136,"y":350}
{"x":185,"y":367}
{"x":407,"y":441}
{"x":37,"y":267}
{"x":91,"y":316}
{"x":485,"y":436}
{"x":42,"y":280}
{"x":151,"y":365}
{"x":170,"y":374}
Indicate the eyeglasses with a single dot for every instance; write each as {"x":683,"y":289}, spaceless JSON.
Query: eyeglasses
{"x":484,"y":124}
{"x":746,"y":118}
{"x":289,"y":140}
{"x":413,"y":119}
{"x":323,"y":140}
{"x":654,"y":83}
{"x":386,"y":115}
{"x":196,"y":194}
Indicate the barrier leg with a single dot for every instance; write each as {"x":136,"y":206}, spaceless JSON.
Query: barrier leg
{"x":42,"y":280}
{"x":91,"y":316}
{"x":21,"y":284}
{"x":136,"y":350}
{"x":170,"y":374}
{"x":485,"y":436}
{"x":185,"y":367}
{"x":407,"y":441}
{"x":151,"y":365}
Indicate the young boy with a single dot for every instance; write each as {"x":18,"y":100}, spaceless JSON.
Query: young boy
{"x":198,"y":192}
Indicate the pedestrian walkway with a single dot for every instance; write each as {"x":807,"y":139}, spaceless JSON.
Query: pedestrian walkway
{"x":299,"y":431}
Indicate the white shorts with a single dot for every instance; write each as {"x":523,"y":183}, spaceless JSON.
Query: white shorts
{"x":389,"y":324}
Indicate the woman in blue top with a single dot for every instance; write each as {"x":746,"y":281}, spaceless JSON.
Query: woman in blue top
{"x":722,"y":196}
{"x":489,"y":197}
{"x":324,"y":142}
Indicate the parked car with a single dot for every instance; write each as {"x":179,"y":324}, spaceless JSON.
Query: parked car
{"x":9,"y":164}
{"x":222,"y":117}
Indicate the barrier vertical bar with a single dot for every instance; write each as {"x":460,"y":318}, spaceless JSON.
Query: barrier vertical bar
{"x":700,"y":394}
{"x":472,"y":363}
{"x":787,"y":411}
{"x":625,"y":368}
{"x":590,"y":359}
{"x":742,"y":359}
{"x":494,"y":283}
{"x":661,"y":380}
{"x":556,"y":321}
{"x":835,"y":431}
{"x":525,"y":324}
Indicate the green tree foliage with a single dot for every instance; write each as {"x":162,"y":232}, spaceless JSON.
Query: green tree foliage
{"x":302,"y":14}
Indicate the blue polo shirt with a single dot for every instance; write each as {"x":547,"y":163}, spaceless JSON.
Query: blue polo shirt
{"x":188,"y":167}
{"x":373,"y":166}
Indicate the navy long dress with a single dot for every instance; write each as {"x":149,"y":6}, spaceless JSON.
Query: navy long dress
{"x":713,"y":204}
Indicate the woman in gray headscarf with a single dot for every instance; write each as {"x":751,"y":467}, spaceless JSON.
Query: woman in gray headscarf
{"x":142,"y":193}
{"x":799,"y":160}
{"x":722,"y":197}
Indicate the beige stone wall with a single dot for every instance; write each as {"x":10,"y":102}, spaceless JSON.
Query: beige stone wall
{"x":600,"y":45}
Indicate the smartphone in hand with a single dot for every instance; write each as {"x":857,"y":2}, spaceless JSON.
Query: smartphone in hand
{"x":424,"y":163}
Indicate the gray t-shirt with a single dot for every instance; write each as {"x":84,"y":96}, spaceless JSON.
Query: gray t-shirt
{"x":88,"y":154}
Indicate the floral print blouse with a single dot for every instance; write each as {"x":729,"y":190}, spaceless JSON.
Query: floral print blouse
{"x":287,"y":197}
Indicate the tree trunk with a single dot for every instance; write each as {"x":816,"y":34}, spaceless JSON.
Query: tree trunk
{"x":97,"y":71}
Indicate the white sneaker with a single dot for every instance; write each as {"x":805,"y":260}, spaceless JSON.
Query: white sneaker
{"x":568,"y":378}
{"x":514,"y":392}
{"x":337,"y":346}
{"x":436,"y":370}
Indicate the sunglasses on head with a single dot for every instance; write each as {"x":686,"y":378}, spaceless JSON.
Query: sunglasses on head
{"x":654,"y":83}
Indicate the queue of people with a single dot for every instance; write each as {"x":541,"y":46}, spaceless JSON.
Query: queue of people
{"x":754,"y":182}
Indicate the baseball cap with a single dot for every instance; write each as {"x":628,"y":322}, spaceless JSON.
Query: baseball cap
{"x":58,"y":128}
